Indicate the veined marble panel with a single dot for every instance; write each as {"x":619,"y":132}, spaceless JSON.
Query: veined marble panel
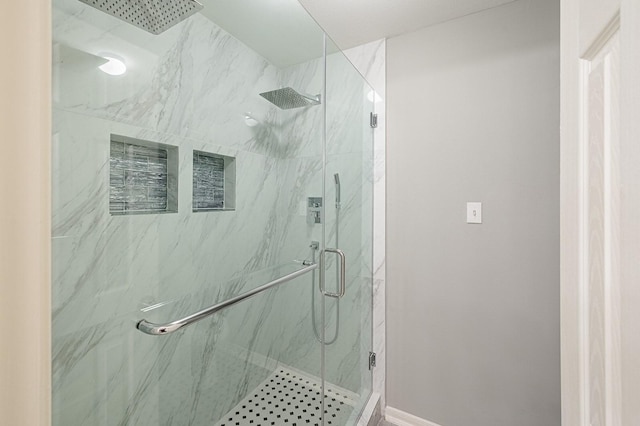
{"x":107,"y":268}
{"x":301,"y":128}
{"x":194,"y":80}
{"x":191,"y":88}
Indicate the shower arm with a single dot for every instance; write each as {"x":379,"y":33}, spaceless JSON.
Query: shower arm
{"x":163,"y":329}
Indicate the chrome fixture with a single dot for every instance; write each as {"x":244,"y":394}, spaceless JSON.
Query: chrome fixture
{"x":373,"y":120}
{"x":162,"y":329}
{"x":154,"y":16}
{"x":372,"y":360}
{"x":341,"y":273}
{"x":314,"y":210}
{"x":315,"y":246}
{"x":288,"y":98}
{"x":250,"y":120}
{"x":336,"y":178}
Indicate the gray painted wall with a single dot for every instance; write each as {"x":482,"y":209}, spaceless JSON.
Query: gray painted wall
{"x":473,"y":310}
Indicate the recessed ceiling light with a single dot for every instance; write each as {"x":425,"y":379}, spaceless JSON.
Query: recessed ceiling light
{"x":115,"y":66}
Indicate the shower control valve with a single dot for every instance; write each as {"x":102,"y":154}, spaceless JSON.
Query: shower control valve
{"x":314,"y":210}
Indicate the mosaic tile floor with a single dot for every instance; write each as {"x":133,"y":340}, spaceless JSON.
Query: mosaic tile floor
{"x":289,"y":398}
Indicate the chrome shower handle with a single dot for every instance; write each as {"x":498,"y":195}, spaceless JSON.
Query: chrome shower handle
{"x":342,"y":275}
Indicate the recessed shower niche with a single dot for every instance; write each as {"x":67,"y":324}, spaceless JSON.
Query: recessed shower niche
{"x":214,"y":182}
{"x":143,"y":177}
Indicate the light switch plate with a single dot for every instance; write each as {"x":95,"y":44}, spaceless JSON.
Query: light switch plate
{"x":474,"y":212}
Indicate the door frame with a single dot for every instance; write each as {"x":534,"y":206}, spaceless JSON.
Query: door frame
{"x":630,"y":218}
{"x":25,"y":230}
{"x":600,"y":19}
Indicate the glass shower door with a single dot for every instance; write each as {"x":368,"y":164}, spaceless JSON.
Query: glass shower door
{"x":194,"y":164}
{"x":349,"y":226}
{"x":177,"y":186}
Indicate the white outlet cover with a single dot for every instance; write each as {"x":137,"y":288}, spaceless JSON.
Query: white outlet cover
{"x":474,"y":212}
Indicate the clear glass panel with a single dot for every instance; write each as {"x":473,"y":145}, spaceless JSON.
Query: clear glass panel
{"x":177,"y":186}
{"x":349,"y":226}
{"x":127,"y":243}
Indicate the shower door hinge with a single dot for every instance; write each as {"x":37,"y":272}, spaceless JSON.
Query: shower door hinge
{"x":373,"y":120}
{"x":372,"y":360}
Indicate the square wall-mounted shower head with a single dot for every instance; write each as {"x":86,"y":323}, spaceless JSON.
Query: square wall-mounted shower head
{"x":288,"y":98}
{"x":154,"y":16}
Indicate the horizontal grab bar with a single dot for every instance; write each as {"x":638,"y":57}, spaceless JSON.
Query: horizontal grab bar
{"x":162,"y":329}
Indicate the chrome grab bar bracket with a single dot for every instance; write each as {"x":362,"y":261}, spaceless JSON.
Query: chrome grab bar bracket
{"x":163,"y":329}
{"x":342,"y":276}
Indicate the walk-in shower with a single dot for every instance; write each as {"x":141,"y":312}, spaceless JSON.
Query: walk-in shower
{"x":181,"y":240}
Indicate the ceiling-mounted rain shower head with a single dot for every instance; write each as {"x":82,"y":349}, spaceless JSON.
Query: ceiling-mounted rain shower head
{"x":154,"y":16}
{"x":288,"y":98}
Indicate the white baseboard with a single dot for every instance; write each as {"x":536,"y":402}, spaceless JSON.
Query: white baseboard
{"x":400,"y":418}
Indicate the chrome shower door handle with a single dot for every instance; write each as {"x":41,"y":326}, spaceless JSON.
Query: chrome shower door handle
{"x":342,"y":275}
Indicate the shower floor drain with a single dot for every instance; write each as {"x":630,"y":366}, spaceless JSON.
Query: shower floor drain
{"x":289,"y":398}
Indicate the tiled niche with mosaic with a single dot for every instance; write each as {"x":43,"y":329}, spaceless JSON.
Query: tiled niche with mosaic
{"x":143,"y":176}
{"x":214,"y":182}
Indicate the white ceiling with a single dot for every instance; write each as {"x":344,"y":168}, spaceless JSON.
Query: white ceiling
{"x":354,"y":22}
{"x":283,"y":33}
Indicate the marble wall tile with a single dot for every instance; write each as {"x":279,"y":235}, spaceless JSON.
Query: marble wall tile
{"x":190,"y":88}
{"x":194,"y":80}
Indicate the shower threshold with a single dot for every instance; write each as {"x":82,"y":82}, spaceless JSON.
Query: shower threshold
{"x":288,"y":397}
